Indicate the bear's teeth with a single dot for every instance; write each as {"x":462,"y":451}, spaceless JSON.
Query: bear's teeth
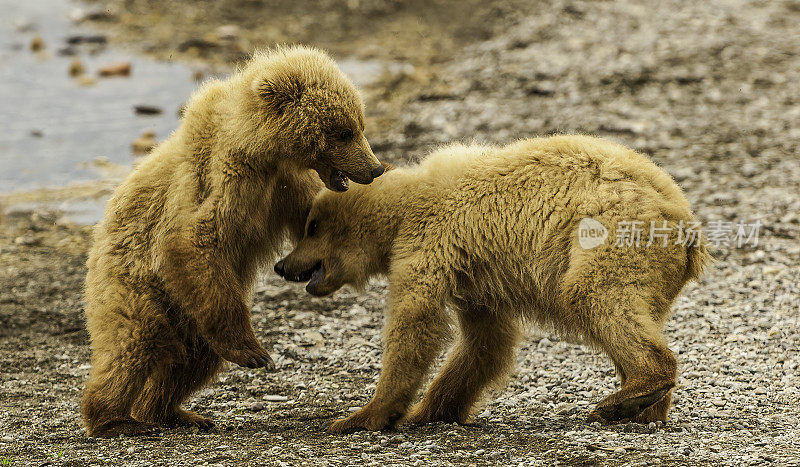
{"x":339,"y":181}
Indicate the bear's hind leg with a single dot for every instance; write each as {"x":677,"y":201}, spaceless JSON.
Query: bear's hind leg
{"x":483,"y":354}
{"x":626,"y":331}
{"x":113,"y":386}
{"x":131,"y":341}
{"x":169,"y":386}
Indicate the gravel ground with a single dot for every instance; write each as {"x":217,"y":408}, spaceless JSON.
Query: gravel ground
{"x":709,"y":91}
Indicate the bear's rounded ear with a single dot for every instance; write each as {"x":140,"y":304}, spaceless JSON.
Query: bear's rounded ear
{"x":280,"y":93}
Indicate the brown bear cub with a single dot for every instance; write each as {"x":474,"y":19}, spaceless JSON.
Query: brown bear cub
{"x":494,"y":233}
{"x":175,"y":257}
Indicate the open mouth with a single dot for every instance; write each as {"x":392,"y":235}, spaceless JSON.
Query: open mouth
{"x":339,"y":180}
{"x":317,"y":274}
{"x":305,"y":275}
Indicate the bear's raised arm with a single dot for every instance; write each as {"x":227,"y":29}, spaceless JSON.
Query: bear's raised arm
{"x":208,"y":289}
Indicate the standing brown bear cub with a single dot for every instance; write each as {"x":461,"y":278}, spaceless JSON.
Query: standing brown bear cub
{"x":492,"y":233}
{"x":174,"y":259}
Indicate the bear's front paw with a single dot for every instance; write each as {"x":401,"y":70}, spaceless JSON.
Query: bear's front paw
{"x":365,"y":419}
{"x":252,"y":356}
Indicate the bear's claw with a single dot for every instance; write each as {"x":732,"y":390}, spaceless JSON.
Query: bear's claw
{"x":628,"y":408}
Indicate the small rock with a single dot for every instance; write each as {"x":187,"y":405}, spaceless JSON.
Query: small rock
{"x":564,"y":408}
{"x":541,"y":89}
{"x":76,"y":68}
{"x":275,"y":398}
{"x":97,"y":39}
{"x":198,"y":44}
{"x":115,"y":69}
{"x":719,"y":402}
{"x":715,"y":448}
{"x":313,"y":338}
{"x":145,"y":143}
{"x":86,"y":80}
{"x":27,"y":240}
{"x":79,"y":15}
{"x":257,"y":406}
{"x":144,"y":109}
{"x":354,"y":409}
{"x":67,"y":51}
{"x":480,"y":452}
{"x":228,"y":32}
{"x":37,"y":44}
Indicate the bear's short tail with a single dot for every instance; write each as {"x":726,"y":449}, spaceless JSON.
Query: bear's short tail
{"x":697,"y":259}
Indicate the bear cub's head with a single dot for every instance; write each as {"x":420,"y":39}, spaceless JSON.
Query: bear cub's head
{"x":347,"y":240}
{"x":313,"y":114}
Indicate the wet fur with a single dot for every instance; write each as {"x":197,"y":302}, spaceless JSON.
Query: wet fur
{"x":491,"y":233}
{"x":174,"y":259}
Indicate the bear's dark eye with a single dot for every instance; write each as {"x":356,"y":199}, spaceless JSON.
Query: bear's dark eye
{"x":346,"y":134}
{"x":312,"y":229}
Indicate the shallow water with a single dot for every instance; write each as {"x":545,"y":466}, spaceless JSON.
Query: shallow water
{"x":53,"y":128}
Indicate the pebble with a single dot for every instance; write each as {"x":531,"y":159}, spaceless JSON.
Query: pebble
{"x":86,"y":80}
{"x":96,"y":39}
{"x":79,"y":15}
{"x":257,"y":406}
{"x":144,"y":143}
{"x":145,"y":109}
{"x":76,"y":68}
{"x":228,"y":32}
{"x":115,"y":69}
{"x":275,"y":398}
{"x":37,"y":44}
{"x":27,"y":240}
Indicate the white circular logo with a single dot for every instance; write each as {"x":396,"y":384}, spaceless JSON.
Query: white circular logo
{"x":591,"y":233}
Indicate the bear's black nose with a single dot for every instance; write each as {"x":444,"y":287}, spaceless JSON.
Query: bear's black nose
{"x":279,"y":268}
{"x":377,"y":171}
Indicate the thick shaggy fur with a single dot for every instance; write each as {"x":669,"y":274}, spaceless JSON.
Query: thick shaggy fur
{"x":491,"y":232}
{"x":175,"y":257}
